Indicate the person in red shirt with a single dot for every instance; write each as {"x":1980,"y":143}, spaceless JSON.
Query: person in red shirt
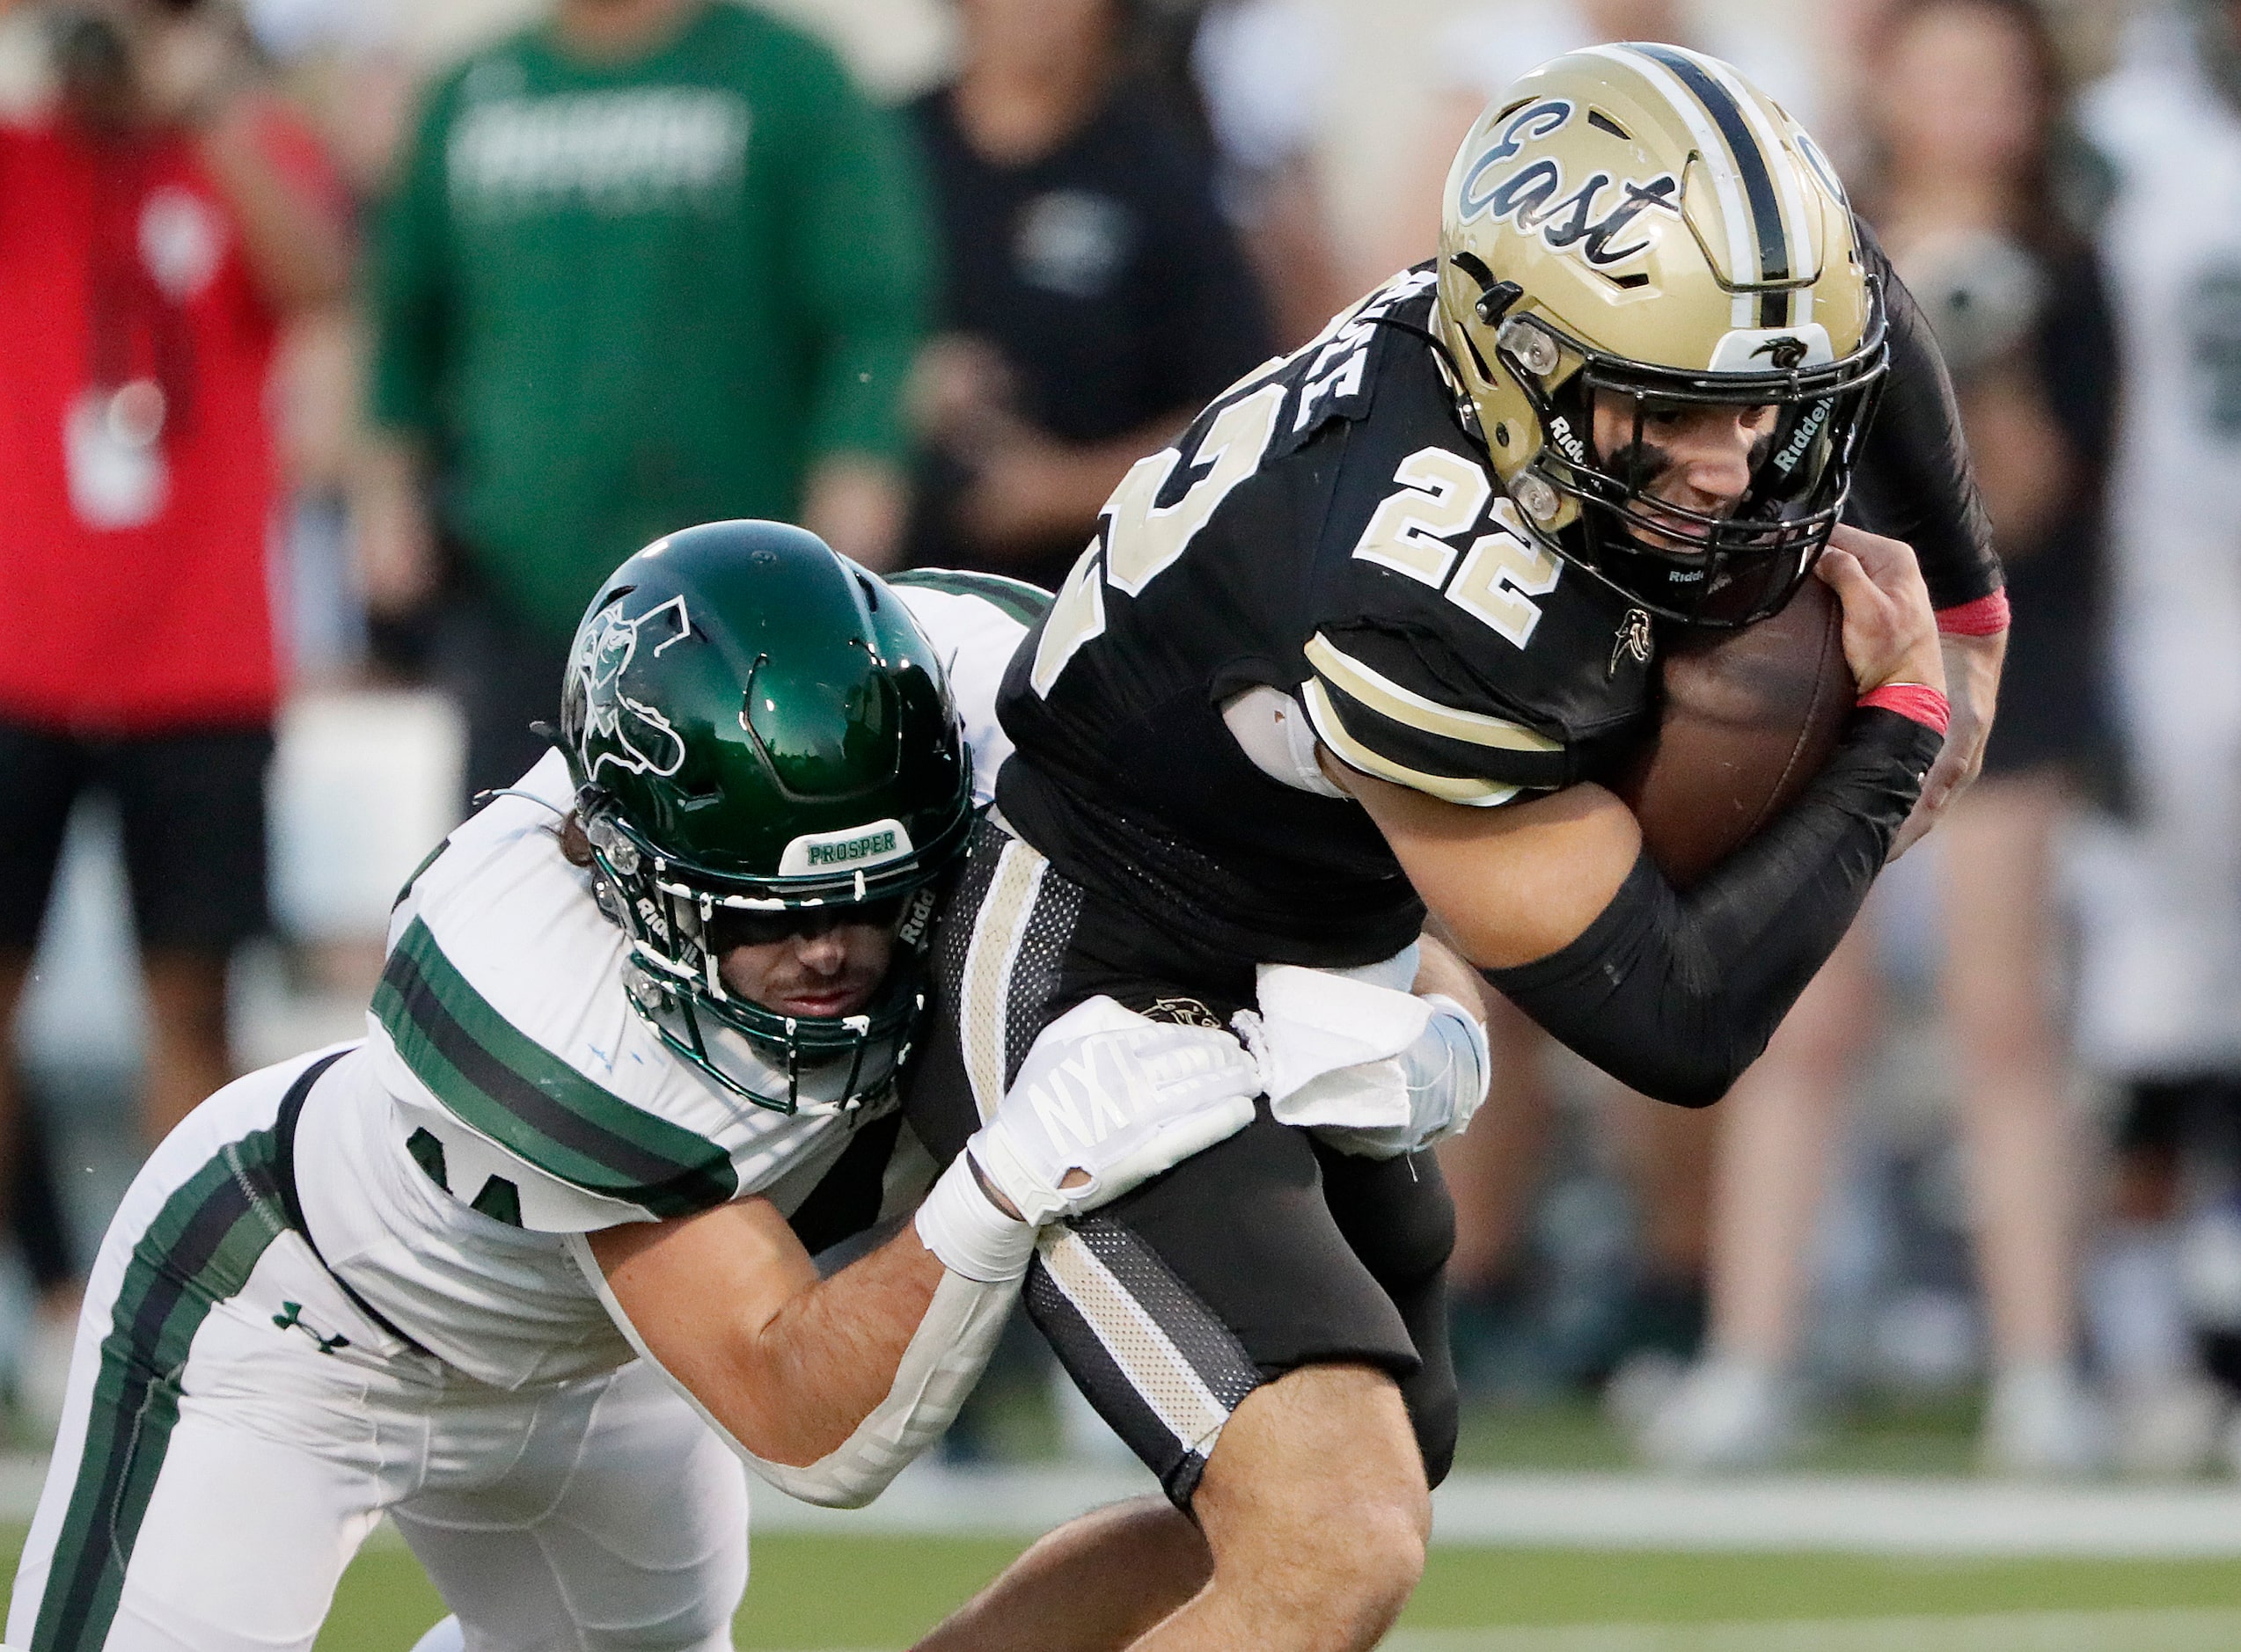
{"x":158,"y":225}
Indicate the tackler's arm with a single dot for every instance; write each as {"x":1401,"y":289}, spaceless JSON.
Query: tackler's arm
{"x":829,"y":1386}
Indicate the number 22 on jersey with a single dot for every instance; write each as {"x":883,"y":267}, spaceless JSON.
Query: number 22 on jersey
{"x":1442,"y":494}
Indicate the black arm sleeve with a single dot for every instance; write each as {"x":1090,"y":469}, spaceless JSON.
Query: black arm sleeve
{"x":1914,"y":481}
{"x":1676,"y":994}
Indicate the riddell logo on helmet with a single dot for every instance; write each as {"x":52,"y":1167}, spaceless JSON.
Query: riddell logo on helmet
{"x":916,"y":917}
{"x":1567,"y":440}
{"x":1783,"y":352}
{"x":1808,"y":432}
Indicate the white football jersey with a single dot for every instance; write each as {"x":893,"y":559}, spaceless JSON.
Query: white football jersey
{"x":2174,"y":260}
{"x":2160,"y":990}
{"x":508,"y":1095}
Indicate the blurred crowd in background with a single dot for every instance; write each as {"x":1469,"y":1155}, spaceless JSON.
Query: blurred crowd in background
{"x":346,"y":344}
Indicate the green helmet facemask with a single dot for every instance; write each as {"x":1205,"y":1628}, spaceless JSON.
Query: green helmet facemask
{"x":756,"y":724}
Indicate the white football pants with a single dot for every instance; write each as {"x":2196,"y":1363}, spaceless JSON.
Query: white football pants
{"x":236,"y":1426}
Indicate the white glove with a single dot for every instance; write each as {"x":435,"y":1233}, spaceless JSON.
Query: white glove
{"x":1446,"y":1070}
{"x":1371,"y":1070}
{"x":1116,"y":1097}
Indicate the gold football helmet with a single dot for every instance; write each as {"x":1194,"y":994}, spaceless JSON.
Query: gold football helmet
{"x":1639,"y":220}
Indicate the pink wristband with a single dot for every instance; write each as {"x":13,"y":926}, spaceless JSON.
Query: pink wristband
{"x":1924,"y":704}
{"x":1983,"y":617}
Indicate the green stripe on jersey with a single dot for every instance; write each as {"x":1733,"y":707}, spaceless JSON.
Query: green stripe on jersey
{"x":427,"y":861}
{"x":503,"y":1084}
{"x":197,"y":1251}
{"x":1025,"y":603}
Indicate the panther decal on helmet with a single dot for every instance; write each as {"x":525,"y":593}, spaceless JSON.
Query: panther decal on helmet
{"x":617,"y":728}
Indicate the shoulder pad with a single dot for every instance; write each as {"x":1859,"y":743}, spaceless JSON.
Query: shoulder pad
{"x":1334,"y":375}
{"x":974,"y":621}
{"x":514,"y":1092}
{"x":1014,"y":599}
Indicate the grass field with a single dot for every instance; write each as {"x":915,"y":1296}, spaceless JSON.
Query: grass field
{"x":1927,"y":1438}
{"x":817,"y":1592}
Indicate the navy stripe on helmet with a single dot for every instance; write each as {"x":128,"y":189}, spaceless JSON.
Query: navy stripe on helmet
{"x":1750,"y":164}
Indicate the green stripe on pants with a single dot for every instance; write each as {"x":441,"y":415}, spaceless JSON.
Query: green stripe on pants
{"x":198,"y":1250}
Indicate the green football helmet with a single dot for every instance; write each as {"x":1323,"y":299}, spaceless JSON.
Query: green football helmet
{"x":756,"y":725}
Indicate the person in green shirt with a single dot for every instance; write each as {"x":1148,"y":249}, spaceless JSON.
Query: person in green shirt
{"x":649,"y":261}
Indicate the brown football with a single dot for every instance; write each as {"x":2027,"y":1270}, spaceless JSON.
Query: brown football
{"x":1747,"y":718}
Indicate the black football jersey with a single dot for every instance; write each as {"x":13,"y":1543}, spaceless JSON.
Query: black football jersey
{"x":1326,"y":528}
